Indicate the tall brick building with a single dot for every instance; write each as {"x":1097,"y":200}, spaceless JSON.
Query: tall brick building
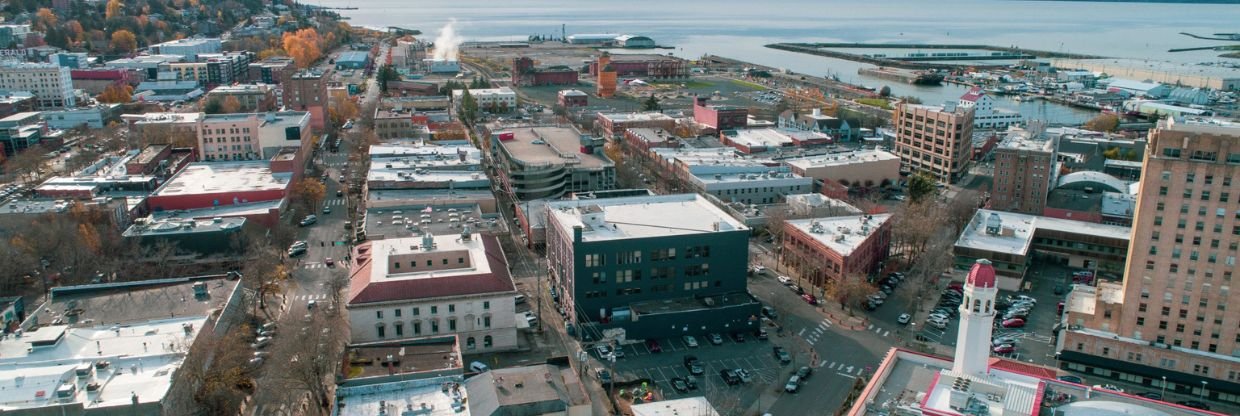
{"x":934,"y":139}
{"x":307,"y":91}
{"x":1024,"y":171}
{"x":1172,"y":322}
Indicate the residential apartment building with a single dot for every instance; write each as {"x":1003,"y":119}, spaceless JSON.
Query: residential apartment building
{"x":307,"y":91}
{"x":936,"y":140}
{"x":817,"y":122}
{"x":649,"y":267}
{"x":1025,"y":171}
{"x":252,"y":97}
{"x":51,"y":84}
{"x":549,"y":162}
{"x":1173,"y":320}
{"x":828,"y":250}
{"x":189,"y":48}
{"x":251,"y":136}
{"x":433,"y":286}
{"x":494,"y":100}
{"x":614,"y":124}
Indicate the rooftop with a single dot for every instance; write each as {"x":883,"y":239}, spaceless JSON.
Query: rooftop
{"x":689,"y":406}
{"x":353,"y":56}
{"x":841,"y":159}
{"x":423,"y":397}
{"x":234,"y":210}
{"x":170,"y":226}
{"x":636,"y":117}
{"x":774,"y":177}
{"x":550,"y":145}
{"x":816,"y":201}
{"x":377,"y":275}
{"x":409,"y":219}
{"x":1021,"y":139}
{"x":554,"y":387}
{"x":224,"y":177}
{"x":427,"y":355}
{"x":1012,"y":233}
{"x":840,"y":234}
{"x":642,"y":217}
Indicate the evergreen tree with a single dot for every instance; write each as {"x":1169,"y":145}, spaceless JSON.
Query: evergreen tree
{"x":651,"y":104}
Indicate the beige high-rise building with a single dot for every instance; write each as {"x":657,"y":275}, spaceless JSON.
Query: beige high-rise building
{"x":1173,"y":318}
{"x":937,"y":140}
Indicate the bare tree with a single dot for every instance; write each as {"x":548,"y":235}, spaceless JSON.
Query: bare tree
{"x":216,"y":375}
{"x":312,"y":360}
{"x":265,"y":272}
{"x":851,"y":291}
{"x":961,"y":209}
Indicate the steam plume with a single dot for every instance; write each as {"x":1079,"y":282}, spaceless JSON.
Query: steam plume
{"x":448,"y":44}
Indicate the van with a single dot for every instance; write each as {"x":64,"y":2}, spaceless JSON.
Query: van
{"x":519,"y":299}
{"x":478,"y":367}
{"x":261,"y":342}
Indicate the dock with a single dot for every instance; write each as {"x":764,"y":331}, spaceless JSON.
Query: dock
{"x":917,"y":63}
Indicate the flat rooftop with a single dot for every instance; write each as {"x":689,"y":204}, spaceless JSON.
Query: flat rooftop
{"x":1020,"y":139}
{"x":1014,"y":232}
{"x":224,"y":177}
{"x":234,"y":210}
{"x":636,"y":117}
{"x":769,"y":138}
{"x":691,"y":303}
{"x":840,"y":234}
{"x":841,"y":159}
{"x":172,"y":226}
{"x":775,"y":178}
{"x":476,"y":266}
{"x":113,"y":304}
{"x":400,"y":221}
{"x":551,"y":145}
{"x":642,"y":217}
{"x":532,"y":385}
{"x":422,"y":397}
{"x":420,"y":355}
{"x":689,"y":406}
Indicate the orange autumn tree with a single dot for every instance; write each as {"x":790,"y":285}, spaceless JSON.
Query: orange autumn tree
{"x":305,"y":46}
{"x":115,"y":8}
{"x":124,"y":41}
{"x":116,"y":93}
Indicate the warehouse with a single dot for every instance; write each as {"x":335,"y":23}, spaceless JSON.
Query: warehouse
{"x":592,"y":38}
{"x":634,"y":41}
{"x":1187,"y":75}
{"x":352,"y":60}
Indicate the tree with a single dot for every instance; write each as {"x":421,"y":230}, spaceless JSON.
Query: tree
{"x":342,"y":108}
{"x":124,"y":41}
{"x":115,"y":8}
{"x":385,"y":75}
{"x":305,"y":46}
{"x":116,"y":93}
{"x":310,"y":192}
{"x":469,"y":108}
{"x":920,"y":185}
{"x":884,"y":92}
{"x":230,"y":105}
{"x":651,"y":104}
{"x":1103,"y":123}
{"x":851,"y":291}
{"x":45,"y":19}
{"x":27,"y":163}
{"x":213,"y":106}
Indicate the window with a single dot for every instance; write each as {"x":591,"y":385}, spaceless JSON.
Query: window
{"x":594,"y":260}
{"x":417,"y":328}
{"x":434,"y":327}
{"x":378,"y":314}
{"x":451,"y":307}
{"x":469,"y":343}
{"x":486,"y":305}
{"x":452,"y":324}
{"x":1171,"y":152}
{"x":434,"y":310}
{"x":416,"y":311}
{"x":380,"y":330}
{"x":486,"y":322}
{"x":400,"y":328}
{"x":486,"y":341}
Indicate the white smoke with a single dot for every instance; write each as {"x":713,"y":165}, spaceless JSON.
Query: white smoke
{"x":448,"y":44}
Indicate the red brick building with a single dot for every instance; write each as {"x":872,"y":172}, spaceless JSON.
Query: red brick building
{"x":255,"y":190}
{"x":826,"y":250}
{"x":719,"y":117}
{"x":573,"y":98}
{"x":94,"y":81}
{"x":525,"y":73}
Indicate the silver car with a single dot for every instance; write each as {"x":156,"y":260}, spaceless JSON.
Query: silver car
{"x":691,"y":341}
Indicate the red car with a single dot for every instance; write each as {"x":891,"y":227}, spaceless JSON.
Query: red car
{"x":329,"y":262}
{"x":1014,"y":323}
{"x":653,"y":345}
{"x":810,"y":299}
{"x":1004,"y":349}
{"x":956,"y":286}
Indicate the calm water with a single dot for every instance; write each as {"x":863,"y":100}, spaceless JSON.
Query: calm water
{"x":739,"y":29}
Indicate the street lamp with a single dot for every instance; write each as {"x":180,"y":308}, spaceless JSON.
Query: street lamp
{"x":1202,"y":397}
{"x":1164,"y":386}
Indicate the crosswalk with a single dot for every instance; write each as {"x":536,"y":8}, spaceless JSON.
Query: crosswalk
{"x":309,"y":297}
{"x":842,"y":368}
{"x":817,"y":331}
{"x":878,"y":330}
{"x":334,"y":202}
{"x":313,"y":265}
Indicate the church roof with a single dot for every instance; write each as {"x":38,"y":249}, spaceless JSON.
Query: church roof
{"x":982,"y":274}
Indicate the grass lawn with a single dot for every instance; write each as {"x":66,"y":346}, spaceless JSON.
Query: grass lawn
{"x":686,"y":84}
{"x":749,"y":85}
{"x":875,"y":102}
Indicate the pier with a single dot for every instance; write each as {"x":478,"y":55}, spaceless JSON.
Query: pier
{"x":917,"y":62}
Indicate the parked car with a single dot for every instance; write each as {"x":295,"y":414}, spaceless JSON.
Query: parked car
{"x":760,"y":334}
{"x":679,"y":385}
{"x":604,"y":376}
{"x":261,"y":342}
{"x":1060,"y":289}
{"x":1110,"y":387}
{"x":716,"y":339}
{"x":794,"y":384}
{"x":693,"y":365}
{"x":782,"y":355}
{"x":1004,"y":349}
{"x":1150,"y":395}
{"x":518,"y":299}
{"x":1193,"y":404}
{"x":744,"y":375}
{"x":1004,"y":339}
{"x":653,"y":345}
{"x":796,"y":289}
{"x":738,"y":336}
{"x":759,"y":270}
{"x":1072,"y":379}
{"x":1014,"y":323}
{"x":308,"y":220}
{"x":810,"y":299}
{"x":784,"y":279}
{"x":729,"y":377}
{"x":478,"y":367}
{"x":904,"y":319}
{"x":769,"y":312}
{"x":690,"y":341}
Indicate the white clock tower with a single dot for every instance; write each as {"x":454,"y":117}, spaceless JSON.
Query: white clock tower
{"x":977,"y":317}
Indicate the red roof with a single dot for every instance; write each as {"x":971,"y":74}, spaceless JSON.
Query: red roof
{"x":982,"y":274}
{"x":363,"y":290}
{"x":973,"y":95}
{"x":1023,"y":368}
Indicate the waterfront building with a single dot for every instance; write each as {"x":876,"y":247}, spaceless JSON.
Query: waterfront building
{"x":936,"y":140}
{"x":985,"y":114}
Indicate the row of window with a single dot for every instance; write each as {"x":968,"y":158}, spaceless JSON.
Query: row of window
{"x":434,"y":309}
{"x":634,"y":257}
{"x":429,"y":263}
{"x":1200,"y":155}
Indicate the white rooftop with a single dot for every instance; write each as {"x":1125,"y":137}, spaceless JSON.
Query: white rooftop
{"x":767,"y":138}
{"x":1013,"y":232}
{"x":814,"y":200}
{"x":473,"y":252}
{"x":1021,"y":139}
{"x":633,"y":117}
{"x":840,"y":234}
{"x":142,"y":360}
{"x":689,"y":406}
{"x":841,"y":159}
{"x":224,"y":177}
{"x":423,"y":397}
{"x":641,"y":217}
{"x":775,"y":177}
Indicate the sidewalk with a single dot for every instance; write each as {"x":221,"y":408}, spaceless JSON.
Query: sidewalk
{"x":855,"y":322}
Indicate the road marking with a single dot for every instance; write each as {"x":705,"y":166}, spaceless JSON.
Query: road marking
{"x":822,"y":364}
{"x":870,"y":327}
{"x":833,"y":365}
{"x":859,"y":371}
{"x":846,"y":375}
{"x":886,"y":333}
{"x":827,"y":321}
{"x":850,"y":368}
{"x":802,"y":332}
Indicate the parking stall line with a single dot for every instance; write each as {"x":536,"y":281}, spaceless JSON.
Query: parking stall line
{"x":802,"y":332}
{"x":833,"y":365}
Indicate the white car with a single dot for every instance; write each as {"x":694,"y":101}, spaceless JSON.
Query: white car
{"x":784,"y":279}
{"x":904,"y":318}
{"x":691,"y":341}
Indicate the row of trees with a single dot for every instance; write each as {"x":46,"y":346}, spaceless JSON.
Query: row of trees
{"x":121,"y":27}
